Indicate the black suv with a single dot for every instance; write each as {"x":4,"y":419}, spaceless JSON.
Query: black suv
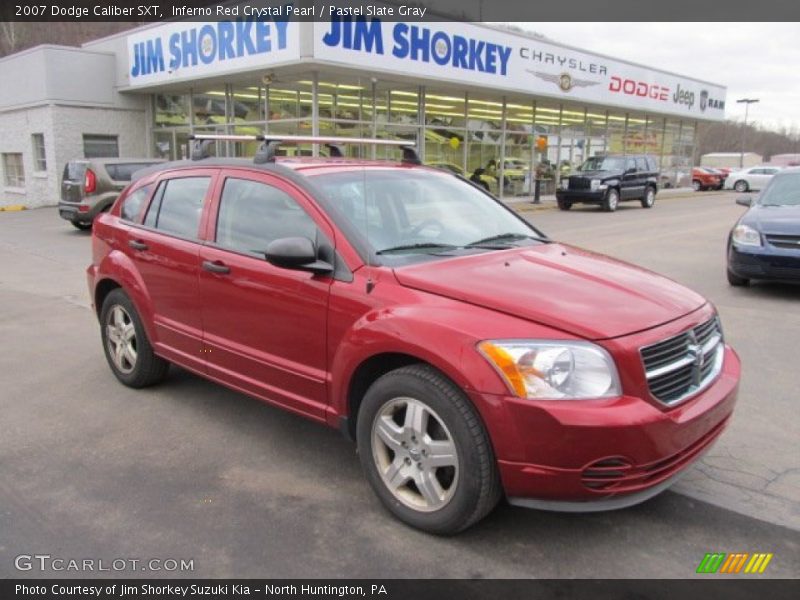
{"x":606,"y":180}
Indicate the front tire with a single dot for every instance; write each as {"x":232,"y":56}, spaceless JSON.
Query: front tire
{"x":81,"y":226}
{"x":564,"y":204}
{"x":649,"y":197}
{"x":425,"y":451}
{"x":735,"y":280}
{"x":612,"y":200}
{"x":125,"y":343}
{"x":697,"y":186}
{"x":741,"y":186}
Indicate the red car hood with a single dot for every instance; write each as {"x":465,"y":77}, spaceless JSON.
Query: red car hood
{"x":560,"y":286}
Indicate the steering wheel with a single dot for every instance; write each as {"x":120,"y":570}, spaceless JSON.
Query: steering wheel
{"x":419,"y":228}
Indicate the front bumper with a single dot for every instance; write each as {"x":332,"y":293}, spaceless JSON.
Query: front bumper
{"x":765,"y":262}
{"x":606,"y":454}
{"x":581,"y":196}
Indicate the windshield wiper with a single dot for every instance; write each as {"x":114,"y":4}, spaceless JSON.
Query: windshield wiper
{"x":418,"y":246}
{"x":501,"y":237}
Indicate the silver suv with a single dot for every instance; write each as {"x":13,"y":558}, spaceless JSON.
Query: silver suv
{"x":90,"y":186}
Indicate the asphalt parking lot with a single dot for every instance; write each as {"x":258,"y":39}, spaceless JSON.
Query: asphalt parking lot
{"x":190,"y":470}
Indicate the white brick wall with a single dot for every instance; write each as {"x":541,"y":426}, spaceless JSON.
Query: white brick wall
{"x":63,"y":128}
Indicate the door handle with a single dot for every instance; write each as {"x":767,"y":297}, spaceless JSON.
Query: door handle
{"x":216,"y":266}
{"x":137,"y":245}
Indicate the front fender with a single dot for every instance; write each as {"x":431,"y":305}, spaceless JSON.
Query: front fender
{"x":437,"y":335}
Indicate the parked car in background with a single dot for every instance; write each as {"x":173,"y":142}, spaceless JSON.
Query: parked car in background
{"x":515,"y":174}
{"x":754,"y":178}
{"x":90,"y":186}
{"x":765,"y":242}
{"x":467,"y":354}
{"x":705,"y":179}
{"x":609,"y":179}
{"x":721,"y":173}
{"x":480,"y":176}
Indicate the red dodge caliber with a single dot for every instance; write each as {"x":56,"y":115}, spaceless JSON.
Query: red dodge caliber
{"x":467,"y":354}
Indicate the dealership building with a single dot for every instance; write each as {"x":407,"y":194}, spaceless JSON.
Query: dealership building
{"x":469,"y":95}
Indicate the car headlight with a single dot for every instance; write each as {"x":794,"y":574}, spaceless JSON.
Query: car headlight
{"x":565,"y":183}
{"x":597,"y":185}
{"x":553,"y":370}
{"x":746,"y":236}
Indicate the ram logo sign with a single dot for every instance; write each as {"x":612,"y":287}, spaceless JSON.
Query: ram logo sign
{"x":735,"y":563}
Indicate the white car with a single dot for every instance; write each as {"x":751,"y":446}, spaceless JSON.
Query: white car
{"x":753,"y":178}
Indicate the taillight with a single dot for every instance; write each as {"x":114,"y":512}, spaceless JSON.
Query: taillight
{"x":90,"y":182}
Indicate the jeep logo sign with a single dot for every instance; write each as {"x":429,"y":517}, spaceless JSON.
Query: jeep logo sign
{"x":682,"y":96}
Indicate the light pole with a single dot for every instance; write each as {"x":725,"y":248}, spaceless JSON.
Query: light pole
{"x":747,"y":102}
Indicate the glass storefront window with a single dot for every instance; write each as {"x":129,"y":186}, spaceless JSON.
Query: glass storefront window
{"x":595,"y":133}
{"x":616,"y":132}
{"x":209,"y":107}
{"x":478,"y":135}
{"x":171,"y":110}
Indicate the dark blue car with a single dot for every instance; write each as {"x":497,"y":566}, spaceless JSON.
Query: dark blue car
{"x":765,"y":243}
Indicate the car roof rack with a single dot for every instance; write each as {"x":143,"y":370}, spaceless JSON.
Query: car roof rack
{"x":202,"y":143}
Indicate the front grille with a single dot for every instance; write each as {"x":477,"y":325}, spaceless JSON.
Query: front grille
{"x":684,"y":364}
{"x":784,"y":241}
{"x":579,"y":183}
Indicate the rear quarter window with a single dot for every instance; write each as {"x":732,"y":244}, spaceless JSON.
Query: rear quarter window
{"x":74,"y":171}
{"x":132,"y":205}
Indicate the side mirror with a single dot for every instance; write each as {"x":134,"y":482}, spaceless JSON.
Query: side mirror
{"x":744,"y":201}
{"x":297,"y":253}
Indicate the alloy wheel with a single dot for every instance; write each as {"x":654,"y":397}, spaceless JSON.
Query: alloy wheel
{"x":121,"y":339}
{"x":415,"y":454}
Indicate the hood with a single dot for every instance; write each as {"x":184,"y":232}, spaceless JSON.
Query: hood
{"x":778,"y":220}
{"x":585,"y":294}
{"x":596,"y":174}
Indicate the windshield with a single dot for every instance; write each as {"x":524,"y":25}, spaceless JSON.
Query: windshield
{"x":783,"y":190}
{"x":405,"y":212}
{"x":604,"y":163}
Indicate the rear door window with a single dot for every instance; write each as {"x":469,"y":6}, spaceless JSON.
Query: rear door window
{"x":641,"y":164}
{"x":178,"y":206}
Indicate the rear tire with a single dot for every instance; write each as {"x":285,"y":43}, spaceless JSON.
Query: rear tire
{"x":441,"y":495}
{"x":737,"y":281}
{"x":81,"y":226}
{"x":125,"y":343}
{"x":564,"y":204}
{"x":611,"y":201}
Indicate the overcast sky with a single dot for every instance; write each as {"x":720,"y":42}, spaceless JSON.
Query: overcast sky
{"x":753,"y":60}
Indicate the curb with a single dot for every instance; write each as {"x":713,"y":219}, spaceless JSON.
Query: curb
{"x":13,"y":208}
